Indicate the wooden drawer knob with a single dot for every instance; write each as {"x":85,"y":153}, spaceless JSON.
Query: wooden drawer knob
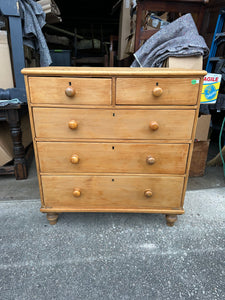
{"x":150,"y":160}
{"x":70,"y":91}
{"x":72,"y":124}
{"x":148,"y":193}
{"x":153,"y":125}
{"x":74,"y":159}
{"x":76,"y":193}
{"x":157,"y":91}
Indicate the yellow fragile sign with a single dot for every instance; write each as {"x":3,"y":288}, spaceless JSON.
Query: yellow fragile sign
{"x":210,"y":88}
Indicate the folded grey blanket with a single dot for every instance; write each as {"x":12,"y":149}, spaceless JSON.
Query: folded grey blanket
{"x":180,"y":38}
{"x":33,"y":20}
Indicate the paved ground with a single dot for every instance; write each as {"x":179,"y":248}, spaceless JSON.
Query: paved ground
{"x":114,"y":256}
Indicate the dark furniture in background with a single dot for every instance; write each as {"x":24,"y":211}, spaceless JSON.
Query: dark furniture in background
{"x":10,"y":9}
{"x":92,"y":56}
{"x":181,"y":6}
{"x":12,"y":113}
{"x":112,"y":50}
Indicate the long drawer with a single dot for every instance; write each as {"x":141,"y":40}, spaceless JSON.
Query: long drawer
{"x":70,"y":157}
{"x":113,"y":124}
{"x":111,"y":192}
{"x":53,"y":90}
{"x":157,"y":91}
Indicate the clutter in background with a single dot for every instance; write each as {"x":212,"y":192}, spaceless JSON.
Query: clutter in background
{"x":61,"y":41}
{"x":50,"y":8}
{"x":179,"y":39}
{"x":33,"y":19}
{"x":61,"y":57}
{"x":216,"y":64}
{"x":126,"y":29}
{"x":127,"y":26}
{"x":150,"y":21}
{"x":153,"y":21}
{"x":147,"y":17}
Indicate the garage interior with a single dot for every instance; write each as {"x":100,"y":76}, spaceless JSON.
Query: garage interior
{"x":102,"y":255}
{"x":88,"y":33}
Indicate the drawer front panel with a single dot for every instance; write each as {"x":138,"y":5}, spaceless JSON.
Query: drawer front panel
{"x":174,"y":91}
{"x":109,"y":192}
{"x":68,"y":157}
{"x":50,"y":90}
{"x":116,"y":124}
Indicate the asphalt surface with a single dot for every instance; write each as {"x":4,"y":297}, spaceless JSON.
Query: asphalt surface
{"x":114,"y":256}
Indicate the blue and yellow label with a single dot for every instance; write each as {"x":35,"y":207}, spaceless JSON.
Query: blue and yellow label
{"x":210,"y":88}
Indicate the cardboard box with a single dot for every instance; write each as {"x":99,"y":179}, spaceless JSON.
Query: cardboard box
{"x":6,"y":151}
{"x":6,"y":76}
{"x":192,"y":62}
{"x":6,"y":144}
{"x":201,"y":147}
{"x":199,"y":157}
{"x":202,"y":130}
{"x":156,"y":22}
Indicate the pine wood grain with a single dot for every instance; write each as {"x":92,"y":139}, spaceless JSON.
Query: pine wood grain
{"x":122,"y":124}
{"x":192,"y":143}
{"x":175,"y":91}
{"x":130,"y":150}
{"x":111,"y":192}
{"x":34,"y":140}
{"x":147,"y":210}
{"x":51,"y":90}
{"x":115,"y":71}
{"x":112,"y":158}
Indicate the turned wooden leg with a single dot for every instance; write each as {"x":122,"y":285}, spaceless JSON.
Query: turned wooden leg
{"x":20,"y":166}
{"x":171,"y":219}
{"x":52,"y":218}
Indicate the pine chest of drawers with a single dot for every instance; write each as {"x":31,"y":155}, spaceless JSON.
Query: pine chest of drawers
{"x":113,"y":139}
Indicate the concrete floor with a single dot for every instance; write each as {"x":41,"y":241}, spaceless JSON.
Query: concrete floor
{"x":11,"y":189}
{"x":112,"y":256}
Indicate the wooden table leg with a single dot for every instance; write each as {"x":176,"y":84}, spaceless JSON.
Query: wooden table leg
{"x":171,"y":219}
{"x":52,"y":218}
{"x":20,"y":166}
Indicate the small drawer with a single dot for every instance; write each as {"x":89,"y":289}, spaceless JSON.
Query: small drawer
{"x":70,"y":91}
{"x":66,"y":123}
{"x":71,"y":157}
{"x":157,"y":91}
{"x":112,"y":192}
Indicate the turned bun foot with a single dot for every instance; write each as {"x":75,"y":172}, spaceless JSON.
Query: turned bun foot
{"x":171,"y":219}
{"x":52,"y":218}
